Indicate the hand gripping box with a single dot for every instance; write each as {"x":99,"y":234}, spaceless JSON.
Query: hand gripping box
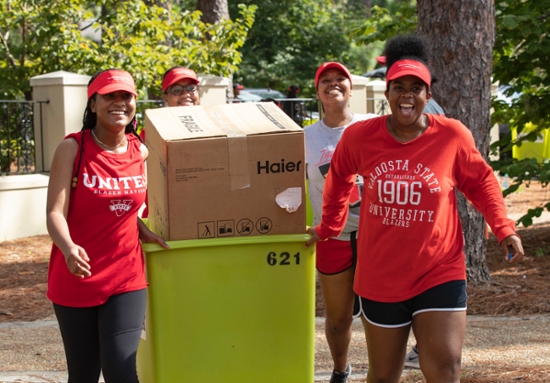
{"x":224,"y":171}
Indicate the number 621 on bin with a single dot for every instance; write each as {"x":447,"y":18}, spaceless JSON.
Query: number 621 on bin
{"x":282,"y":259}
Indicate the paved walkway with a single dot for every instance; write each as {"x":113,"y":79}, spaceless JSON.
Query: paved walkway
{"x":31,"y":352}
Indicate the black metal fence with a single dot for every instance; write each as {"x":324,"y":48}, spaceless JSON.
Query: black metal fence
{"x":17,"y":142}
{"x":380,"y":106}
{"x":304,"y":111}
{"x":17,"y":145}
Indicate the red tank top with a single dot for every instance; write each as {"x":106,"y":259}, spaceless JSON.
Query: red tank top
{"x":102,"y":218}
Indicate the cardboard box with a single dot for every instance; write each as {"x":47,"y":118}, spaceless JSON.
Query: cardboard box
{"x":224,"y":171}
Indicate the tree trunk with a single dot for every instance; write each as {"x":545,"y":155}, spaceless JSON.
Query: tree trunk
{"x":462,"y":35}
{"x":213,"y":10}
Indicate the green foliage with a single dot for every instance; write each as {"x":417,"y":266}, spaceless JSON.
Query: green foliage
{"x":291,"y":41}
{"x":387,"y":20}
{"x":36,"y":39}
{"x":144,"y":40}
{"x":520,"y":60}
{"x":542,"y":251}
{"x":385,"y":23}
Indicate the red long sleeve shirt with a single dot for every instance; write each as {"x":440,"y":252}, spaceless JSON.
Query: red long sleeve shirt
{"x":410,"y":237}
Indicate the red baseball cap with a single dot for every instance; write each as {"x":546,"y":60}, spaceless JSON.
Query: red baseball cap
{"x":177,"y":74}
{"x":112,"y":80}
{"x":331,"y":65}
{"x":238,"y":86}
{"x":381,"y":60}
{"x":403,"y":68}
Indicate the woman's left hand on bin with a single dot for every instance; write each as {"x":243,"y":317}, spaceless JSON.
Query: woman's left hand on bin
{"x":147,"y":236}
{"x":314,"y":236}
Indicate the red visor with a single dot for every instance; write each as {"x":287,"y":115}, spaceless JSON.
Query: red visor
{"x":330,"y":65}
{"x":403,"y":68}
{"x":112,"y":81}
{"x":381,"y":60}
{"x":177,"y":74}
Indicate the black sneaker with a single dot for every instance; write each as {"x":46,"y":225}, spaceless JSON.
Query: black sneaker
{"x":341,"y":376}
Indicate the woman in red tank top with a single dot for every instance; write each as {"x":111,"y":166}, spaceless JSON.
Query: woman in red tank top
{"x":96,"y":276}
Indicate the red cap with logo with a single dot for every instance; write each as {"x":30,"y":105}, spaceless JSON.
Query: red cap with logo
{"x":112,"y":80}
{"x":403,"y":68}
{"x":331,"y":65}
{"x":177,"y":74}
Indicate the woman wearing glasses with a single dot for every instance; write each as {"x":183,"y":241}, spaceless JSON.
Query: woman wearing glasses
{"x":181,"y":87}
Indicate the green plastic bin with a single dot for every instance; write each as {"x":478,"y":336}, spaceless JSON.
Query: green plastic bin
{"x":230,"y":310}
{"x":538,"y":149}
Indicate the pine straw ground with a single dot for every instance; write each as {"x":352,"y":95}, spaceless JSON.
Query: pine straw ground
{"x":519,"y":289}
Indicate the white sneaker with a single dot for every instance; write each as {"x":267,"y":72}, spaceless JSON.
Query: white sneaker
{"x":411,"y":359}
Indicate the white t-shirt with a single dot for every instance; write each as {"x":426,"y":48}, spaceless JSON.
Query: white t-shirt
{"x":321,"y":141}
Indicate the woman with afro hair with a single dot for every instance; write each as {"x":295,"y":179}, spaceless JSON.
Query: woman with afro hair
{"x":411,"y":270}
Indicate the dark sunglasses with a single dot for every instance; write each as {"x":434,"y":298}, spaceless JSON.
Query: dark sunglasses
{"x":177,"y":90}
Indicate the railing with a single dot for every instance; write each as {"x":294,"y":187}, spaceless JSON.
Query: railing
{"x":380,"y":106}
{"x":17,"y":146}
{"x":17,"y":143}
{"x":304,"y":111}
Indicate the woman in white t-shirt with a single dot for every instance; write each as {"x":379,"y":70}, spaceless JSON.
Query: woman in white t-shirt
{"x":336,"y":256}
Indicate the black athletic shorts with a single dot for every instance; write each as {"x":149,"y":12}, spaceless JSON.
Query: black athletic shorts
{"x":449,"y":296}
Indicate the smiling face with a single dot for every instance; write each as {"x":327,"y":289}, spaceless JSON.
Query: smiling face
{"x":185,"y":98}
{"x":334,"y":87}
{"x":407,"y":96}
{"x":114,"y":109}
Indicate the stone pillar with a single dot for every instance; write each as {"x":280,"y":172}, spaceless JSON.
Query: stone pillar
{"x":213,"y":89}
{"x":66,"y":96}
{"x":376,"y":100}
{"x":357,"y":102}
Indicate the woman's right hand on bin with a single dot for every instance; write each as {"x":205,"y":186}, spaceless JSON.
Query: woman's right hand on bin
{"x":77,"y":261}
{"x":314,"y":236}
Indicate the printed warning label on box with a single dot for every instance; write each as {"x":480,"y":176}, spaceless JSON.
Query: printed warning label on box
{"x":264,"y":225}
{"x":245,"y":226}
{"x":226,"y":228}
{"x":207,"y":229}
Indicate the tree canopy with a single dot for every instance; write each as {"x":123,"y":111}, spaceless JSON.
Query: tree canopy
{"x":520,"y":53}
{"x":292,"y":38}
{"x":520,"y":62}
{"x":289,"y":42}
{"x":143,"y":39}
